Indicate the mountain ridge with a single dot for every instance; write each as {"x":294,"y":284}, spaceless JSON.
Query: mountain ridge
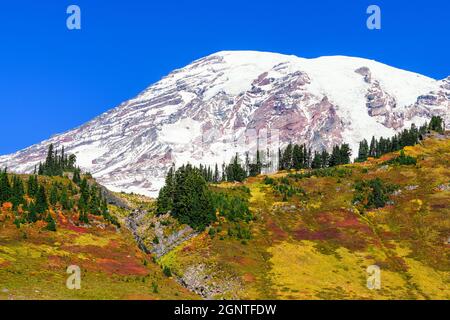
{"x":197,"y":113}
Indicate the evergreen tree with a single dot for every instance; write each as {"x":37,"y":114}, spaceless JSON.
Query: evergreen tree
{"x":247,"y":163}
{"x":317,"y":161}
{"x":5,"y":187}
{"x":32,"y":186}
{"x":18,"y":192}
{"x":216,"y":174}
{"x":298,"y":161}
{"x":64,"y":200}
{"x":235,"y":172}
{"x":255,"y":169}
{"x":53,"y":195}
{"x":325,"y":157}
{"x":51,"y":224}
{"x":71,"y":162}
{"x":56,"y":164}
{"x":344,"y":154}
{"x":224,"y":172}
{"x":95,"y":201}
{"x":363,"y":153}
{"x":41,"y":205}
{"x":259,"y":164}
{"x":437,"y":124}
{"x":334,"y":157}
{"x":32,"y":213}
{"x":280,"y":160}
{"x":166,"y":194}
{"x":83,"y":202}
{"x":192,"y":202}
{"x":372,"y":149}
{"x":77,"y":176}
{"x":286,"y":161}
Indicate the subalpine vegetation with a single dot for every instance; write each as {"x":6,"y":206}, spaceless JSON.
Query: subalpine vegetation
{"x":235,"y":171}
{"x":188,"y":198}
{"x":35,"y":197}
{"x":57,"y":163}
{"x":402,"y":160}
{"x":372,"y":194}
{"x":407,"y":137}
{"x":300,"y":157}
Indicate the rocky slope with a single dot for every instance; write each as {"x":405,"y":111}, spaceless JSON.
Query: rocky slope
{"x":214,"y":107}
{"x":319,"y":244}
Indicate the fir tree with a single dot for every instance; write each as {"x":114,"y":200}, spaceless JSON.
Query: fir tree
{"x":64,"y":200}
{"x":5,"y":187}
{"x":286,"y":161}
{"x":76,"y":176}
{"x":363,"y":151}
{"x":216,"y":174}
{"x":372,"y":149}
{"x":32,"y":213}
{"x":235,"y":172}
{"x":334,"y":157}
{"x":41,"y":205}
{"x":51,"y":224}
{"x":166,"y":194}
{"x":32,"y":186}
{"x":53,"y":195}
{"x":298,"y":160}
{"x":344,"y":154}
{"x":437,"y":124}
{"x":325,"y":158}
{"x":317,"y":161}
{"x":192,"y":203}
{"x":18,"y":192}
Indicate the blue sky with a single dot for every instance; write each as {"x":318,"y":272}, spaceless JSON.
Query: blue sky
{"x":53,"y":79}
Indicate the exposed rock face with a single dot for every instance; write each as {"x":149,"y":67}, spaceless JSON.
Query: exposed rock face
{"x":214,"y":107}
{"x":201,"y":280}
{"x":365,"y":72}
{"x":170,"y":241}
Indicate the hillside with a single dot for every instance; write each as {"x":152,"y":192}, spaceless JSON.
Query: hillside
{"x":317,"y":240}
{"x":35,"y":254}
{"x":309,"y":234}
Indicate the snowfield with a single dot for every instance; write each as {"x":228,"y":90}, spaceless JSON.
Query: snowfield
{"x":201,"y":112}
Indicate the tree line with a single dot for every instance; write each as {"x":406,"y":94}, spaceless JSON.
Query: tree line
{"x":188,"y":198}
{"x":408,"y":137}
{"x":235,"y":171}
{"x":56,"y":163}
{"x":32,"y":200}
{"x":299,"y":157}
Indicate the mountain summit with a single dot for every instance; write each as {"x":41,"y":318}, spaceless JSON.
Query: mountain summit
{"x":197,"y":113}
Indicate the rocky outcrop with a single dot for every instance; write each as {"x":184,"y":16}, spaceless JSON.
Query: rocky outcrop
{"x":155,"y":228}
{"x":168,"y":242}
{"x":204,"y":282}
{"x":132,"y":223}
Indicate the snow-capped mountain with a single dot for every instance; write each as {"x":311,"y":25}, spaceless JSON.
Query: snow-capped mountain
{"x":199,"y":112}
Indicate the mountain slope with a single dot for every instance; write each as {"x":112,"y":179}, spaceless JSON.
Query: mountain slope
{"x":34,"y":260}
{"x":210,"y":109}
{"x":318,"y":244}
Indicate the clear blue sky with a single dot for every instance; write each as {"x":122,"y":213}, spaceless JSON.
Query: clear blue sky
{"x":53,"y":79}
